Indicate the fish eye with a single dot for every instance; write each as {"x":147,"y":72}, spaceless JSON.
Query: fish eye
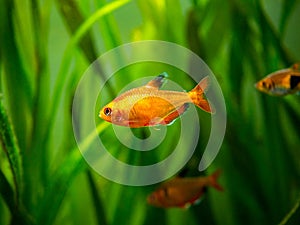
{"x":266,"y":85}
{"x":107,"y":111}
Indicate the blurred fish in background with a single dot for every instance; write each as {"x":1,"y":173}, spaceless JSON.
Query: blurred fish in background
{"x":281,"y":82}
{"x":183,"y":192}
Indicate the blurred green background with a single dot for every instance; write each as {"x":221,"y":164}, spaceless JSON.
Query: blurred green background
{"x":46,"y":45}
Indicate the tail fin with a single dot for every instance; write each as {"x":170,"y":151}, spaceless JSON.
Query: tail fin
{"x":213,"y":180}
{"x":198,"y":97}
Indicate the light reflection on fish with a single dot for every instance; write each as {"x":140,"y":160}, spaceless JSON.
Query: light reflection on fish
{"x":148,"y":106}
{"x":281,"y":82}
{"x":183,"y":192}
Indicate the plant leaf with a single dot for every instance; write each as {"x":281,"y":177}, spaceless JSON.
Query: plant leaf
{"x":19,"y":101}
{"x":10,"y":147}
{"x":62,"y":179}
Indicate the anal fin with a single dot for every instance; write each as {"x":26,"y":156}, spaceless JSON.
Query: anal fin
{"x":175,"y":114}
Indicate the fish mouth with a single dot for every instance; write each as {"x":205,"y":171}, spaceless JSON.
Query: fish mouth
{"x":102,"y":116}
{"x":151,"y":198}
{"x":260,"y":88}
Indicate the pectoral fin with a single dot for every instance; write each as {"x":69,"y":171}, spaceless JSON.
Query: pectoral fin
{"x":158,"y":81}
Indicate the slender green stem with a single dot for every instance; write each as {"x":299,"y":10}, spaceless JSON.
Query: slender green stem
{"x":293,"y":210}
{"x":68,"y":56}
{"x":63,"y":177}
{"x":7,"y":192}
{"x":100,"y":213}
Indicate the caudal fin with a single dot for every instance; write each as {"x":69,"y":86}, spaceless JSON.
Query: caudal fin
{"x":198,"y":97}
{"x":213,"y":180}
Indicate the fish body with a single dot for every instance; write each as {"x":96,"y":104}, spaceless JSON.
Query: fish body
{"x":150,"y":106}
{"x":281,"y":82}
{"x":183,"y":192}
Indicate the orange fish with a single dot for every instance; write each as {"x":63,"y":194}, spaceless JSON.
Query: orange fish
{"x":281,"y":82}
{"x":183,"y":192}
{"x":148,"y":106}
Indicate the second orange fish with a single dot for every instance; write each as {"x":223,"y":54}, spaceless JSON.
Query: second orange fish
{"x":183,"y":192}
{"x":148,"y":106}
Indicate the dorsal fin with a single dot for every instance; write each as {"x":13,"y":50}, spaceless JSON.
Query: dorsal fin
{"x":295,"y":66}
{"x":294,"y":81}
{"x":158,"y":81}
